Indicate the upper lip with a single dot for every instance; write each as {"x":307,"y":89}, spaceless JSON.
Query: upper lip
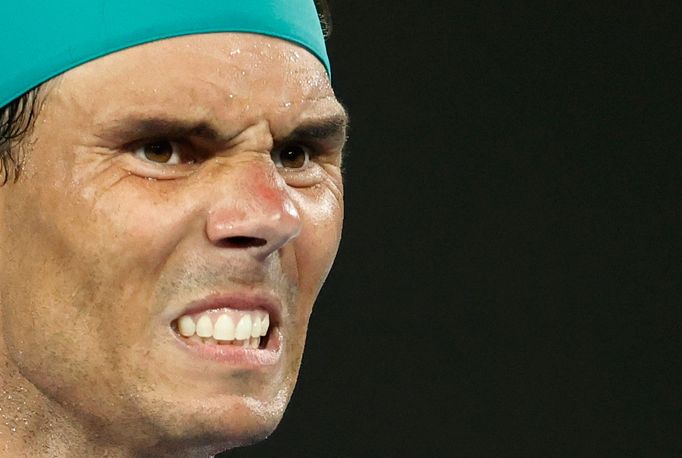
{"x":238,"y":301}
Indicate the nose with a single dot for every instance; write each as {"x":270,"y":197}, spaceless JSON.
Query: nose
{"x":254,"y":212}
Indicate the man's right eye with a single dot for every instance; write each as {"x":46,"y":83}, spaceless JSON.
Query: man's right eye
{"x":159,"y":152}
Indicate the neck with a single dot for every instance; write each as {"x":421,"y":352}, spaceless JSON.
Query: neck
{"x":28,"y":424}
{"x":33,"y":425}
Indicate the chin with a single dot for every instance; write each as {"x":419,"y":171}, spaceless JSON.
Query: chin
{"x":210,"y":439}
{"x":186,"y":427}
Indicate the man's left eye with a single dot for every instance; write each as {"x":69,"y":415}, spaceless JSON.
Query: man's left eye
{"x":159,"y":152}
{"x":291,"y":156}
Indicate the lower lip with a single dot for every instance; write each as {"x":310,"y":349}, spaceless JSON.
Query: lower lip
{"x":232,"y":355}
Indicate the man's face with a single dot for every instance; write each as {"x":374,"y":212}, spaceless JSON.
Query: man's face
{"x":193,"y":176}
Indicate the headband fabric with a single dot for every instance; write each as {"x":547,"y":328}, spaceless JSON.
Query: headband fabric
{"x":40,"y":39}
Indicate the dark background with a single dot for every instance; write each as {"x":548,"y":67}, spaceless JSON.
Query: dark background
{"x":508,"y":281}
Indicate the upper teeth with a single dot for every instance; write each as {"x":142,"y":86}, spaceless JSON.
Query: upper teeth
{"x":225,"y":324}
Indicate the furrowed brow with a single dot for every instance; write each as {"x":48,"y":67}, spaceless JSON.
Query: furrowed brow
{"x":321,"y":129}
{"x":142,"y":128}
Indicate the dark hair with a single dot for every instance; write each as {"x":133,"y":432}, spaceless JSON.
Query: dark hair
{"x":16,"y":118}
{"x":325,"y":14}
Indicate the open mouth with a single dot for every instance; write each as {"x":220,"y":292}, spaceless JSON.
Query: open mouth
{"x":248,"y":329}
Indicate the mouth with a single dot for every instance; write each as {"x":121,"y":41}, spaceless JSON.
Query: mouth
{"x":236,"y":330}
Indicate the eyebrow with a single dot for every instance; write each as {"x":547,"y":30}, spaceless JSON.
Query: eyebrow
{"x":159,"y":127}
{"x":321,"y":129}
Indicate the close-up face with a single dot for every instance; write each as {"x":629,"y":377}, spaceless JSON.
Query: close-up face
{"x":179,"y":206}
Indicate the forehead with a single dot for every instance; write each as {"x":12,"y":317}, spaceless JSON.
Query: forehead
{"x":202,"y":75}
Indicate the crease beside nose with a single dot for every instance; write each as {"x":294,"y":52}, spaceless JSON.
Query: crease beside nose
{"x":260,"y":220}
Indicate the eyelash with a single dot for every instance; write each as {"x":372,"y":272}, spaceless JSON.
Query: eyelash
{"x":198,"y":156}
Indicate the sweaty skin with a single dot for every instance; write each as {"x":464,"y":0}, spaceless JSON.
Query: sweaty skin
{"x":102,"y":246}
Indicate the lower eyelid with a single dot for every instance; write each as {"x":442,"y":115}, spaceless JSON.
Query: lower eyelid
{"x":152,"y":170}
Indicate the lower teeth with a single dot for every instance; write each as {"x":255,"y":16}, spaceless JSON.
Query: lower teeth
{"x":246,"y":343}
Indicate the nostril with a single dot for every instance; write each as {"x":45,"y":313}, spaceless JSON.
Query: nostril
{"x":242,"y":242}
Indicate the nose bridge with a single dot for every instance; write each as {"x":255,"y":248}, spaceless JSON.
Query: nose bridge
{"x":253,"y":211}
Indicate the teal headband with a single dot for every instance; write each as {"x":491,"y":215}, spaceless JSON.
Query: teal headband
{"x":40,"y":39}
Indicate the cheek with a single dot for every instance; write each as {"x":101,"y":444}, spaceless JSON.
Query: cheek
{"x":52,"y":298}
{"x":318,"y":242}
{"x":86,"y":258}
{"x":77,"y":264}
{"x":141,"y":222}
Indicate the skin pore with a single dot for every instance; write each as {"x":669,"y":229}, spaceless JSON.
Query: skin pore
{"x":155,"y":177}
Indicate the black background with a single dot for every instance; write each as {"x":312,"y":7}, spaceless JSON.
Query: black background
{"x":509,"y":276}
